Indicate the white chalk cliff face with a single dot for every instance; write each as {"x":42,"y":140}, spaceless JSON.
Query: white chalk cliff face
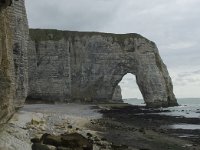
{"x":20,"y":35}
{"x":13,"y":57}
{"x":6,"y":64}
{"x":84,"y":66}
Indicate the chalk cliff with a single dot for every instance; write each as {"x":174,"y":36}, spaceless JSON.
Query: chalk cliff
{"x":13,"y":57}
{"x":6,"y":64}
{"x":87,"y":66}
{"x":20,"y":34}
{"x":49,"y":70}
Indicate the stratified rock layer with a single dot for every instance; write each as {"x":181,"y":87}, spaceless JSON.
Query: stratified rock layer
{"x":6,"y":64}
{"x":49,"y":70}
{"x":20,"y":34}
{"x":84,"y":66}
{"x":13,"y":57}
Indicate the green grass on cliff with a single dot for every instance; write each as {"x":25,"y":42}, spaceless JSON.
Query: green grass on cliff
{"x":55,"y":35}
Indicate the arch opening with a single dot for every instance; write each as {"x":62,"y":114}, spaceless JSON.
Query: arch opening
{"x":130,"y":91}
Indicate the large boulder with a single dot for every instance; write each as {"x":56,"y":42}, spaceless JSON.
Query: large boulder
{"x":71,"y":141}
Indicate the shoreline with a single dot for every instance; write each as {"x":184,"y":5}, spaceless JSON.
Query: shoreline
{"x":108,"y":126}
{"x":140,"y":128}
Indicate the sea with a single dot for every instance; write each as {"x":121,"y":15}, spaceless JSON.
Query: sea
{"x":188,"y":107}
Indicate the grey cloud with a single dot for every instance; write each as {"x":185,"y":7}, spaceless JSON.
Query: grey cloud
{"x":71,"y":15}
{"x":196,"y":72}
{"x":187,"y":74}
{"x":183,"y":75}
{"x":185,"y":78}
{"x":195,"y":80}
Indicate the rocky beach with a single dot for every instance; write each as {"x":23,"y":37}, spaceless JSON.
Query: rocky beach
{"x":34,"y":120}
{"x":101,"y":127}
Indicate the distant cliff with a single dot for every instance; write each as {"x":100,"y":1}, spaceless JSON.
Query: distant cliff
{"x":87,"y":66}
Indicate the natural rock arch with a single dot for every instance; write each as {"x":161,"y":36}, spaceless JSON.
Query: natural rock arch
{"x":97,"y":62}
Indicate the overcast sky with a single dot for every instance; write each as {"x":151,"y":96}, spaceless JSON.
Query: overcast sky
{"x":174,"y":25}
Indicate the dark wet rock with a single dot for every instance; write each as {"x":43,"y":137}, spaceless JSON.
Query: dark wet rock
{"x":52,"y":140}
{"x":103,"y":139}
{"x":119,"y":147}
{"x":65,"y":141}
{"x":142,"y":130}
{"x":64,"y":148}
{"x":35,"y":140}
{"x":76,"y":140}
{"x":89,"y":134}
{"x":38,"y":146}
{"x":96,"y":139}
{"x":70,"y":126}
{"x":92,"y":121}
